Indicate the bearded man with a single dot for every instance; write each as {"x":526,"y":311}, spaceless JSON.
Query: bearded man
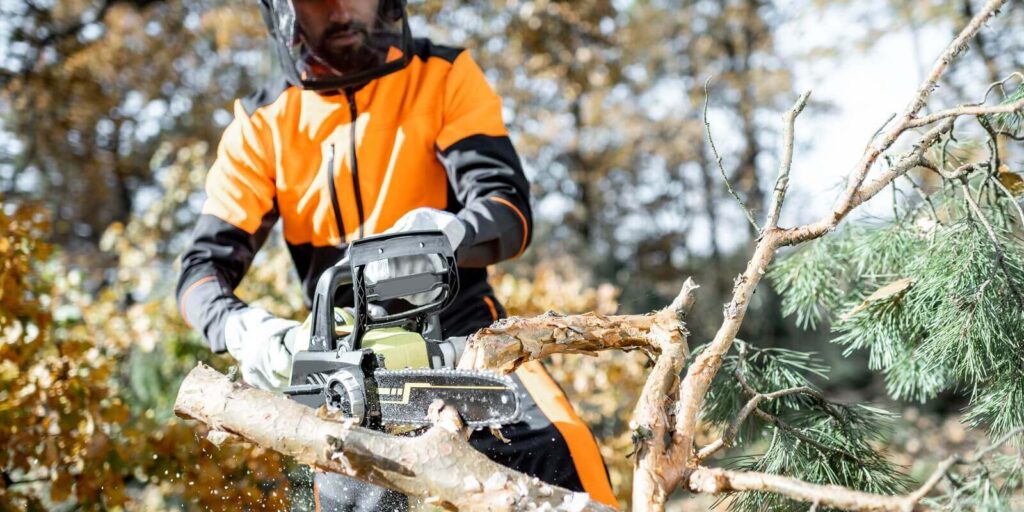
{"x":369,"y":130}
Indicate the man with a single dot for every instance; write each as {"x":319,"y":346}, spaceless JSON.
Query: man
{"x":369,"y":131}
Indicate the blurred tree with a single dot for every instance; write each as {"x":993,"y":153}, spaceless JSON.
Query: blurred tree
{"x":605,"y":100}
{"x":92,"y":88}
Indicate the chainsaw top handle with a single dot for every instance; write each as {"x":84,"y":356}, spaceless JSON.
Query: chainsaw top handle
{"x":351,"y":271}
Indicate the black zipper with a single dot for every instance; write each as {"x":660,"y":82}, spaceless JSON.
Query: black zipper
{"x":334,"y":195}
{"x":354,"y":114}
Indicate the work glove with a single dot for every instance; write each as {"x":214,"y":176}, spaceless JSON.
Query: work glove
{"x":420,"y":219}
{"x":263,"y":346}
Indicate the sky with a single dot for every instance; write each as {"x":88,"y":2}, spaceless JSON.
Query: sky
{"x":864,"y":89}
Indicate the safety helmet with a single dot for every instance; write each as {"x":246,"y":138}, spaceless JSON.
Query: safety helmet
{"x":384,"y":46}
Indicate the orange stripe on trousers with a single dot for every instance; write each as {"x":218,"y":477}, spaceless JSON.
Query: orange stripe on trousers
{"x":582,"y":445}
{"x":494,"y":310}
{"x":316,"y":495}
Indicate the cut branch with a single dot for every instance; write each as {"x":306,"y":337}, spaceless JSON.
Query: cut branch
{"x":439,"y":466}
{"x":511,"y":342}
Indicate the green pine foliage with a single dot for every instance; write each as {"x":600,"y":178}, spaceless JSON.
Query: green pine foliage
{"x":810,"y":438}
{"x":963,"y":299}
{"x":986,"y":488}
{"x":1010,"y":123}
{"x":915,"y":378}
{"x":841,"y":454}
{"x":935,"y":298}
{"x":997,"y":403}
{"x":958,"y":324}
{"x":765,"y":370}
{"x":884,"y":329}
{"x":807,"y":278}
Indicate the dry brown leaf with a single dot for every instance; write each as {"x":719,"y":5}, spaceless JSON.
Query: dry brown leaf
{"x":1011,"y":180}
{"x":886,"y":292}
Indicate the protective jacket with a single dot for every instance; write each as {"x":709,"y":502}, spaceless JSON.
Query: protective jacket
{"x":337,"y":167}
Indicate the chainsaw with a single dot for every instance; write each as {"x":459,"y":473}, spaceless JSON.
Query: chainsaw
{"x":381,"y":368}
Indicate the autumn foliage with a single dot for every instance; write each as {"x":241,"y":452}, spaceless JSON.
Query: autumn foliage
{"x":83,"y":416}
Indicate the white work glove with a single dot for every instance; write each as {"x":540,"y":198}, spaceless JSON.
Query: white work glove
{"x":263,"y":346}
{"x":420,"y":219}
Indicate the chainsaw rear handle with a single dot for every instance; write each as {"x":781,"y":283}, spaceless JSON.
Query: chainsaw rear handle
{"x":350,"y":271}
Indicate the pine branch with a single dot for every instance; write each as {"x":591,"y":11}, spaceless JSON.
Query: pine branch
{"x":716,"y":481}
{"x":1013,"y":107}
{"x":654,"y":469}
{"x":1000,"y":254}
{"x":729,"y":436}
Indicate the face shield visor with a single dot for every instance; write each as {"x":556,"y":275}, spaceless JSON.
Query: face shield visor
{"x":336,"y":44}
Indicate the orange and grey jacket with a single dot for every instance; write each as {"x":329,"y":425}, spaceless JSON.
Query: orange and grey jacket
{"x":337,"y":167}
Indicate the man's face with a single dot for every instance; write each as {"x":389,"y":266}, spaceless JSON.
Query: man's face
{"x":340,"y":32}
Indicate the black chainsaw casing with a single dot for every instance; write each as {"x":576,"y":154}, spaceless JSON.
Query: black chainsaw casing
{"x":423,"y":319}
{"x":331,"y":352}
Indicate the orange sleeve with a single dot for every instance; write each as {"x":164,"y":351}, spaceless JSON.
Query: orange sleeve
{"x":240,"y":185}
{"x":471,"y":107}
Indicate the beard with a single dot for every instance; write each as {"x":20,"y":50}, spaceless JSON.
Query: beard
{"x":365,"y":51}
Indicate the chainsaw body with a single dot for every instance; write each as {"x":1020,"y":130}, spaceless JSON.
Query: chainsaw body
{"x":388,"y":368}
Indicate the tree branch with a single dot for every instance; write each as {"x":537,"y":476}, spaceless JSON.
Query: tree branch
{"x":968,"y":110}
{"x":785,"y":161}
{"x":439,"y":466}
{"x":716,"y":481}
{"x":729,"y":436}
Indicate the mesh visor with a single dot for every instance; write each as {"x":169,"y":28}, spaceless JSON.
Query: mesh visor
{"x":339,"y":43}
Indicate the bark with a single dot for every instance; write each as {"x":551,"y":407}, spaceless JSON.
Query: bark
{"x":438,"y":467}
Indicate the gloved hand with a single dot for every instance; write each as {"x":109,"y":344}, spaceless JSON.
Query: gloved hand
{"x":427,"y":219}
{"x":263,"y":346}
{"x":420,"y":219}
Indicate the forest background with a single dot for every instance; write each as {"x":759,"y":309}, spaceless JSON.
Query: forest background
{"x":110,"y":112}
